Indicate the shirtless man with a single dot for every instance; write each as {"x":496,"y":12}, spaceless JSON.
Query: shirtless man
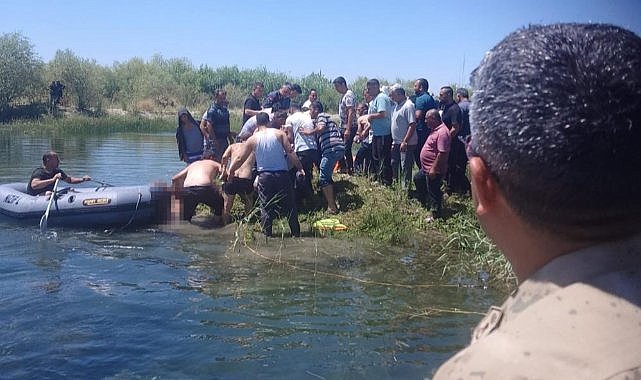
{"x":195,"y":184}
{"x":242,"y":184}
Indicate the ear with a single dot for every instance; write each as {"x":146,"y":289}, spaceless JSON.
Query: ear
{"x":484,"y":187}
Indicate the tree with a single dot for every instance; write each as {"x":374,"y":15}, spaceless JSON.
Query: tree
{"x":20,"y":70}
{"x":82,"y":78}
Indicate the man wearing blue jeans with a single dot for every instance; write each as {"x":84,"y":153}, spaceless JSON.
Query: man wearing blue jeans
{"x":332,"y":149}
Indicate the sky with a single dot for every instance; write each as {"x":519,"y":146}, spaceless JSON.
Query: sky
{"x":406,"y":39}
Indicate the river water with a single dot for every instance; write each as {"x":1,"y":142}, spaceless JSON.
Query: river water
{"x":183,"y":303}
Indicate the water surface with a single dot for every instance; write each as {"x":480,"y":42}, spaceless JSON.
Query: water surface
{"x":179,"y":303}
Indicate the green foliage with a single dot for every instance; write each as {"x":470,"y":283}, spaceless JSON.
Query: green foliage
{"x":20,"y":71}
{"x":97,"y":126}
{"x":83,"y":79}
{"x":468,"y":250}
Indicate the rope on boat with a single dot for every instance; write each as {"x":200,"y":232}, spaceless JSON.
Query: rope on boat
{"x":111,"y":231}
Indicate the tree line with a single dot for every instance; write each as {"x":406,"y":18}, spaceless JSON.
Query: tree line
{"x":156,"y":85}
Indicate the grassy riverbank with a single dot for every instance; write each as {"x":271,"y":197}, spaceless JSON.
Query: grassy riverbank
{"x":370,"y":211}
{"x":387,"y":216}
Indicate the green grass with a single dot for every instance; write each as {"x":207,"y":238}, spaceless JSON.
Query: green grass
{"x":86,"y":124}
{"x":387,"y":216}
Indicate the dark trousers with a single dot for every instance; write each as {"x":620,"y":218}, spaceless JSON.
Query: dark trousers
{"x":193,"y":195}
{"x":276,"y":195}
{"x":308,"y":158}
{"x":422,"y":137}
{"x":363,"y":161}
{"x":348,"y":161}
{"x":457,"y":164}
{"x":429,"y":192}
{"x":381,"y":152}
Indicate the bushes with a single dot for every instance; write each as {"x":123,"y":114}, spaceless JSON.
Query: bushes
{"x":20,"y":72}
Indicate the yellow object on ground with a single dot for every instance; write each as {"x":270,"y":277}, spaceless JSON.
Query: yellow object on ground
{"x":332,"y":224}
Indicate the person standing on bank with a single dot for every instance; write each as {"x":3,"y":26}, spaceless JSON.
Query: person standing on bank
{"x":555,"y":186}
{"x":451,"y":114}
{"x":348,"y":126}
{"x":252,"y":107}
{"x":44,"y":178}
{"x":404,"y":138}
{"x":380,"y":119}
{"x":217,"y":129}
{"x":189,"y":137}
{"x":332,"y":149}
{"x":422,"y":104}
{"x":434,"y":163}
{"x":275,"y":188}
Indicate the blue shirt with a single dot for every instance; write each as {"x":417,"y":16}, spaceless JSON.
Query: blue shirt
{"x":381,"y":127}
{"x":423,"y":102}
{"x":219,"y":117}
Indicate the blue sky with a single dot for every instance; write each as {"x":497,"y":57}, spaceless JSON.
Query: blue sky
{"x":441,"y":41}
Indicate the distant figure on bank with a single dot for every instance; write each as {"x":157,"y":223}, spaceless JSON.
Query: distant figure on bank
{"x":554,"y":163}
{"x":195,"y":184}
{"x":275,"y":188}
{"x":55,"y":95}
{"x":242,"y":183}
{"x":189,"y":137}
{"x":252,"y":106}
{"x":43,"y":178}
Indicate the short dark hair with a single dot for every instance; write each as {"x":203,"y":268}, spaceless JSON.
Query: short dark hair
{"x":48,"y":155}
{"x":220,"y":91}
{"x":296,"y":88}
{"x":258,"y":84}
{"x":373,"y":82}
{"x":317,"y":106}
{"x":462,"y":92}
{"x":262,"y":118}
{"x":424,"y":84}
{"x":556,"y":118}
{"x":448,"y":90}
{"x":340,"y":80}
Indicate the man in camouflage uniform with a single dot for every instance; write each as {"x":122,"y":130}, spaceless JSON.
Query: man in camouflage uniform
{"x":554,"y":163}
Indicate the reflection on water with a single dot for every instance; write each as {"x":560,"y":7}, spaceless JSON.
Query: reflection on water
{"x":180,"y":304}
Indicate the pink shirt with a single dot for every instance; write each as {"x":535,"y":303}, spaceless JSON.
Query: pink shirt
{"x":437,"y":141}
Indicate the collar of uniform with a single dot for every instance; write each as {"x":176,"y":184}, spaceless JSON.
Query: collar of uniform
{"x":584,"y":266}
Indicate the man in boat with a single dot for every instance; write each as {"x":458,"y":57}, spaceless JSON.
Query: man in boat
{"x":195,"y":184}
{"x":43,"y":179}
{"x":554,"y":187}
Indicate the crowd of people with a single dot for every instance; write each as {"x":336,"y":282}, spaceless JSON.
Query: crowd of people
{"x":416,"y":141}
{"x":554,"y":170}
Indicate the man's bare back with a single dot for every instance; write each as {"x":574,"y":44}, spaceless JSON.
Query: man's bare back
{"x":199,"y":173}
